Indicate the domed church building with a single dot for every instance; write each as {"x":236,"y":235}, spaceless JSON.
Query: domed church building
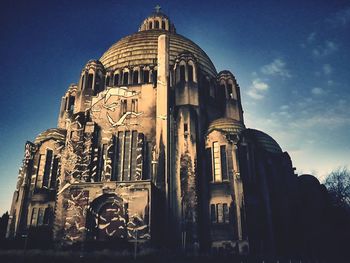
{"x":151,"y":147}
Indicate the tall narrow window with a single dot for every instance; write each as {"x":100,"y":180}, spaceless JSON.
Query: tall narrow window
{"x":190,"y":73}
{"x":116,"y":80}
{"x":63,"y":103}
{"x":133,"y":156}
{"x":83,"y":82}
{"x":221,"y":92}
{"x":41,"y":216}
{"x":123,"y":106}
{"x":54,"y":173}
{"x":135,"y":78}
{"x":98,"y":84}
{"x":47,"y":170}
{"x":126,"y":166}
{"x":213,"y":217}
{"x":134,"y":105}
{"x":146,"y":76}
{"x":223,"y":162}
{"x":217,"y":163}
{"x":90,"y":78}
{"x":219,"y":208}
{"x":156,"y":24}
{"x":34,"y":218}
{"x":125,"y":78}
{"x":163,"y":24}
{"x":47,"y":215}
{"x":40,"y":171}
{"x":209,"y":164}
{"x":71,"y":102}
{"x":229,"y":91}
{"x":226,"y":213}
{"x":107,"y":81}
{"x":185,"y":127}
{"x":120,"y":147}
{"x":150,"y":25}
{"x":182,"y":73}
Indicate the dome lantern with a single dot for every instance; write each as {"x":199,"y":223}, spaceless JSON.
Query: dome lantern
{"x":157,"y":21}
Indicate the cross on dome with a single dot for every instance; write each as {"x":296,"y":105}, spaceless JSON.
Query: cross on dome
{"x":157,"y":8}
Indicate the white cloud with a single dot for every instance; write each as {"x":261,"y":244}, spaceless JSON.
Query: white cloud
{"x":257,"y":89}
{"x":276,"y":68}
{"x":253,"y":94}
{"x":329,"y":47}
{"x":311,"y":37}
{"x":284,"y":107}
{"x":327,"y":69}
{"x":259,"y":85}
{"x":330,"y":82}
{"x":341,"y":18}
{"x":317,"y":91}
{"x":327,"y":120}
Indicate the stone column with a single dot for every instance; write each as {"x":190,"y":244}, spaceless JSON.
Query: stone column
{"x":162,"y":109}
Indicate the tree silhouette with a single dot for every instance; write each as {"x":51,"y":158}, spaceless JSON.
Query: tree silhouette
{"x":338,"y":185}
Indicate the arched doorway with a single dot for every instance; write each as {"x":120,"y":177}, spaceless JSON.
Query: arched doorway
{"x":107,"y":219}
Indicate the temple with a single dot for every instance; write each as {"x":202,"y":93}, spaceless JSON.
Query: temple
{"x":151,"y":146}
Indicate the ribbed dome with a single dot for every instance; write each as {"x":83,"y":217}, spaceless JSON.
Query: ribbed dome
{"x":264,"y":140}
{"x":55,"y":133}
{"x":140,"y":49}
{"x":226,"y":125}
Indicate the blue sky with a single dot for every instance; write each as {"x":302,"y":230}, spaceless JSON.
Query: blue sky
{"x":291,"y":59}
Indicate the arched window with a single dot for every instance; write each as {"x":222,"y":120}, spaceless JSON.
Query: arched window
{"x":116,"y":80}
{"x":150,"y":25}
{"x":229,"y":91}
{"x":125,"y":78}
{"x":123,"y":107}
{"x":145,"y":76}
{"x":135,"y":78}
{"x":97,"y":87}
{"x":90,"y":78}
{"x":47,"y":168}
{"x":163,"y":24}
{"x":221,"y":92}
{"x":83,"y":82}
{"x":190,"y":73}
{"x":54,"y":172}
{"x":156,"y":24}
{"x":71,"y":101}
{"x":182,"y":73}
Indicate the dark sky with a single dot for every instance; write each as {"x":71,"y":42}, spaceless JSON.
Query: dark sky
{"x":291,"y":59}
